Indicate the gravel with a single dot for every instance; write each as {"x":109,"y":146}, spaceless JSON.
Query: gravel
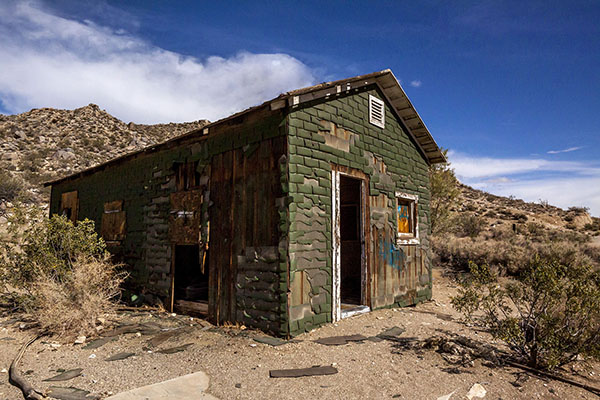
{"x":238,"y":366}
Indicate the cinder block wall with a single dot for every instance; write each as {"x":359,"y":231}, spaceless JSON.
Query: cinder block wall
{"x":337,"y":131}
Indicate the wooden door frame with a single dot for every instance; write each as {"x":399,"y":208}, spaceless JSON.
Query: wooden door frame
{"x":336,"y":172}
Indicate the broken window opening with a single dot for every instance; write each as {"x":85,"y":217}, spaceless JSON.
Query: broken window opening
{"x":187,"y":176}
{"x":406,"y":213}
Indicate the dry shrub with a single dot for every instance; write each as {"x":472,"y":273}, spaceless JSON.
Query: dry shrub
{"x":469,"y":225}
{"x":73,"y":305}
{"x":507,"y":252}
{"x":59,"y":273}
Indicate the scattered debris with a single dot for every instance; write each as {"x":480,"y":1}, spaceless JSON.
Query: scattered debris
{"x":442,"y":316}
{"x":147,"y":328}
{"x":340,"y":340}
{"x":70,"y":393}
{"x":446,"y":397}
{"x":177,"y":349}
{"x":392,"y":333}
{"x":65,"y":376}
{"x":296,"y":373}
{"x":80,"y":340}
{"x":120,"y":356}
{"x":94,"y":344}
{"x":270,"y":340}
{"x":164,"y":336}
{"x":476,"y":391}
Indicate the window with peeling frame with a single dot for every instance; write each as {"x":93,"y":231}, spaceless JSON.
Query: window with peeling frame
{"x":187,"y":176}
{"x":406,"y":215}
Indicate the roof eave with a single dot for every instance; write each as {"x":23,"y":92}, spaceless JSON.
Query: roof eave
{"x":385,"y":79}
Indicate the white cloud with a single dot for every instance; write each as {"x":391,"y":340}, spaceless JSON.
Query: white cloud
{"x":570,"y":149}
{"x":50,"y":61}
{"x":485,"y":167}
{"x":561,"y":192}
{"x":561,"y":183}
{"x":416,"y":83}
{"x":501,"y":179}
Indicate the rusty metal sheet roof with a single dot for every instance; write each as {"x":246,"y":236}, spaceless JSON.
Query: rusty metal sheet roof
{"x":385,"y":79}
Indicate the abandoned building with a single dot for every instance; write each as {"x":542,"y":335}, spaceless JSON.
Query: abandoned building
{"x":308,"y":208}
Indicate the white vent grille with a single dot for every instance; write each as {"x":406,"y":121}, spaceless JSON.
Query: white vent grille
{"x":376,"y":111}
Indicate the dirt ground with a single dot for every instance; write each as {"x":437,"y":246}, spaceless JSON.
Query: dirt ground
{"x":239,"y":366}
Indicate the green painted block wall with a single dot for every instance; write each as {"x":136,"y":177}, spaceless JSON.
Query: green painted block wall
{"x":310,"y":160}
{"x":145,"y":183}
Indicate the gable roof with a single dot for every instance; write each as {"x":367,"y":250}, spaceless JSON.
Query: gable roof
{"x":385,"y":80}
{"x":395,"y":96}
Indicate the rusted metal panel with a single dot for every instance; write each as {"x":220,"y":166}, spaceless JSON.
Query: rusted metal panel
{"x":69,"y":205}
{"x":185,"y":219}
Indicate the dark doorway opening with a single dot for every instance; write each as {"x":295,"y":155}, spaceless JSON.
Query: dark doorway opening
{"x":350,"y":242}
{"x":190,"y":284}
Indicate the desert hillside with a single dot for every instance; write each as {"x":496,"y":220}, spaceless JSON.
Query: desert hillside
{"x":497,"y":209}
{"x":46,"y":143}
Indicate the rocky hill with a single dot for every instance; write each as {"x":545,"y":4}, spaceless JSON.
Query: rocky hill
{"x":46,"y":143}
{"x":508,"y":209}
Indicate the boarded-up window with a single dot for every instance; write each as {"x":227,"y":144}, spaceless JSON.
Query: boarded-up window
{"x":407,"y":218}
{"x":185,"y":219}
{"x":113,"y":222}
{"x":69,"y":205}
{"x":187,"y":176}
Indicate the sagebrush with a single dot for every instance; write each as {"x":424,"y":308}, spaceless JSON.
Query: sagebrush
{"x":548,"y":315}
{"x":59,"y":273}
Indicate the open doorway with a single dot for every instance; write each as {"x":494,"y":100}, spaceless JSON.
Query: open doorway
{"x":349,"y":262}
{"x":190,"y":280}
{"x":350,"y":242}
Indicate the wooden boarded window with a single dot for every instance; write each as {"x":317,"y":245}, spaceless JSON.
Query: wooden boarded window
{"x":69,"y":205}
{"x":406,"y":214}
{"x":187,"y":176}
{"x":113,"y":227}
{"x":186,"y":217}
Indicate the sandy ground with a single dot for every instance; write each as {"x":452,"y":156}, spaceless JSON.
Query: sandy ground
{"x":239,"y":367}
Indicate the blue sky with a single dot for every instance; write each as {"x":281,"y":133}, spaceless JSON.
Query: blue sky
{"x":511,"y":88}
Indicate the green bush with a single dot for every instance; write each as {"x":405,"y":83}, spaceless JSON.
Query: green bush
{"x":444,"y":194}
{"x":470,"y":225}
{"x":58,"y":272}
{"x":11,"y":189}
{"x":547,"y":316}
